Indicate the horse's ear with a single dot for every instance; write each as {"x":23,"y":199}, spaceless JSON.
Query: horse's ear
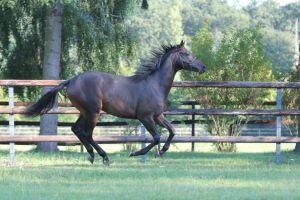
{"x":182,"y":43}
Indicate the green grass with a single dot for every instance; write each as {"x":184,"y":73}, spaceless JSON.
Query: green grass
{"x":178,"y":175}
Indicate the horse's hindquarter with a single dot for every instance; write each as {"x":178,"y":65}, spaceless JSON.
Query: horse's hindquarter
{"x":84,"y":92}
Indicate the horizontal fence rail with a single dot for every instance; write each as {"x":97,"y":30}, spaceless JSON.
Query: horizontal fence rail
{"x":190,"y":84}
{"x":171,"y":111}
{"x":124,"y":123}
{"x":12,"y":83}
{"x":230,"y":112}
{"x":132,"y":139}
{"x":237,"y":84}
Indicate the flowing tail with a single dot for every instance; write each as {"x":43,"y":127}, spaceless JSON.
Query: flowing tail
{"x":46,"y":102}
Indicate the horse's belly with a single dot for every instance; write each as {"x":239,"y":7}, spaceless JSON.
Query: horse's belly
{"x":119,"y":109}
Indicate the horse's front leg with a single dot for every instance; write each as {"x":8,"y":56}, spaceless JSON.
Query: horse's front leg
{"x":149,"y":124}
{"x":162,"y":121}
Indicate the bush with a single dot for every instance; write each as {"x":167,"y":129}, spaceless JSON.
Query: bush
{"x":238,"y":57}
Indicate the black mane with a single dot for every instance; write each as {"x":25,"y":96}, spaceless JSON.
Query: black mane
{"x":152,"y":65}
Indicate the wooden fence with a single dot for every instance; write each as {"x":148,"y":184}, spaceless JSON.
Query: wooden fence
{"x":132,"y":139}
{"x":191,"y":84}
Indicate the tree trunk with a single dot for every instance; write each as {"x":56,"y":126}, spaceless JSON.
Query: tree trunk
{"x":51,"y":70}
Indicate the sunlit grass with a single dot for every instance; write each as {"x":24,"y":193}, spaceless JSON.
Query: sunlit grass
{"x":178,"y":175}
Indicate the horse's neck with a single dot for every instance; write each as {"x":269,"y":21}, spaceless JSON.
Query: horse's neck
{"x":164,"y":77}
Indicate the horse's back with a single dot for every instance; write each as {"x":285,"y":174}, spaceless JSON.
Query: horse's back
{"x":116,"y":95}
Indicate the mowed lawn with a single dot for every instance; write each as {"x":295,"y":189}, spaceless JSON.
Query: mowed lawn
{"x":178,"y":175}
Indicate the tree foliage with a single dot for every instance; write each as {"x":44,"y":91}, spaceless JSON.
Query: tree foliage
{"x":276,"y":22}
{"x":94,"y":37}
{"x":239,"y":57}
{"x":152,"y":28}
{"x":219,"y":13}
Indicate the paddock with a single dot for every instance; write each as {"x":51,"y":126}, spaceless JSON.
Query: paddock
{"x":178,"y":175}
{"x":12,"y":110}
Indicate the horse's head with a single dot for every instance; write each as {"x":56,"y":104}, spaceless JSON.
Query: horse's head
{"x":187,"y":61}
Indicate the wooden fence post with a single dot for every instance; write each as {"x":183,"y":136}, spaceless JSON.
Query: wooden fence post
{"x":193,"y":127}
{"x":11,"y":126}
{"x":278,"y":123}
{"x":143,"y":145}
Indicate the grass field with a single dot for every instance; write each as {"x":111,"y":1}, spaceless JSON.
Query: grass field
{"x":246,"y":174}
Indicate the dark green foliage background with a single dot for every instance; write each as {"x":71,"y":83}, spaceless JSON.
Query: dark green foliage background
{"x":115,"y":36}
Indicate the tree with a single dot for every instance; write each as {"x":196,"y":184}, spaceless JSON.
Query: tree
{"x":278,"y":49}
{"x":152,"y":28}
{"x":276,"y":23}
{"x":21,"y":42}
{"x":92,"y":37}
{"x":51,"y":69}
{"x":277,"y":26}
{"x":292,"y":97}
{"x":220,"y":15}
{"x":239,"y":57}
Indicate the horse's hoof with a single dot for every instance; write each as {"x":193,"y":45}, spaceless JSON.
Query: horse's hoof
{"x":106,"y":162}
{"x":157,"y":154}
{"x":132,"y":154}
{"x":91,"y":159}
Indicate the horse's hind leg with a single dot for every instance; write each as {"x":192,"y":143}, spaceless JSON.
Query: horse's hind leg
{"x":78,"y":130}
{"x":149,"y":124}
{"x":91,"y":121}
{"x":161,"y":120}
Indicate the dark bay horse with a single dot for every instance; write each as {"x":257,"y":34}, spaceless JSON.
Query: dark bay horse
{"x":142,"y":96}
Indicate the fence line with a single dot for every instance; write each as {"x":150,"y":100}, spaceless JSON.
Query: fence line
{"x":147,"y":139}
{"x":191,"y":84}
{"x":237,"y":84}
{"x":171,"y":111}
